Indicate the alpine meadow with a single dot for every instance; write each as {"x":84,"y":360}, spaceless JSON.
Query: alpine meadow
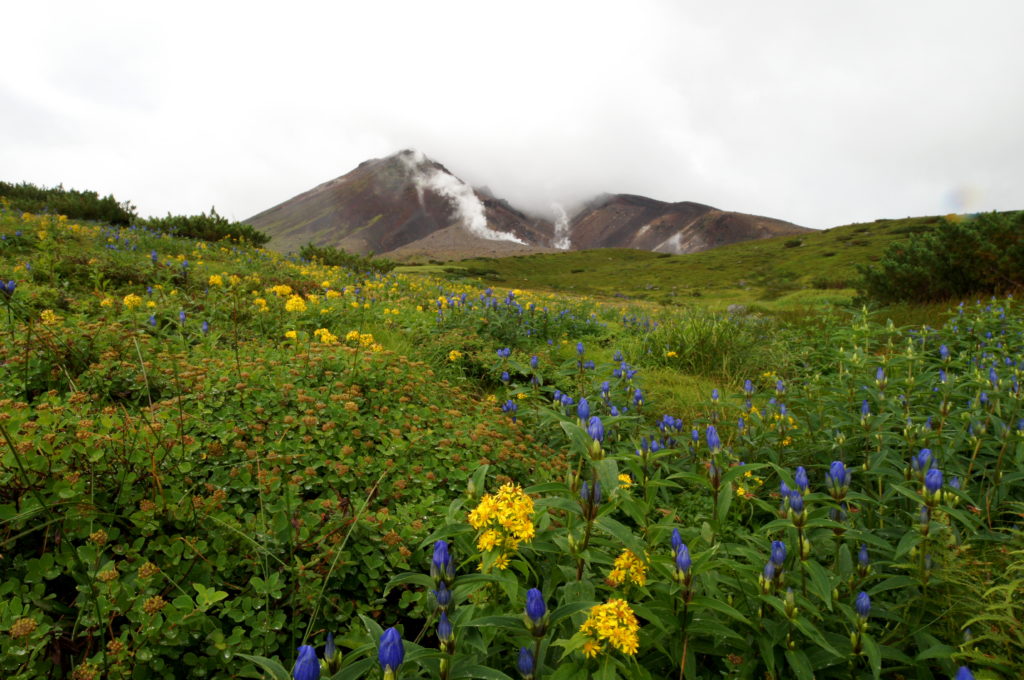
{"x":799,"y":457}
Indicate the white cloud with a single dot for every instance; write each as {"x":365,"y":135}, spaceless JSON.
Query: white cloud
{"x":819,"y":113}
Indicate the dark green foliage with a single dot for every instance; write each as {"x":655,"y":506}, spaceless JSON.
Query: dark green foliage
{"x":959,"y":258}
{"x":338,"y":257}
{"x":77,"y":205}
{"x":212,"y":227}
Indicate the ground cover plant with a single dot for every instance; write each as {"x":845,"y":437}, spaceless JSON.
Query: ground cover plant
{"x":219,"y":462}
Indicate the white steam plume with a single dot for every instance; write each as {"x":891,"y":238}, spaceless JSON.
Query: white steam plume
{"x":467,"y":205}
{"x":561,"y":239}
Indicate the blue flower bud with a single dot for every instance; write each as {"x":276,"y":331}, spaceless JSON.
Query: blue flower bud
{"x":329,"y":649}
{"x":443,"y":596}
{"x":778,"y":553}
{"x":748,"y":387}
{"x":677,"y":540}
{"x":444,"y":628}
{"x":865,"y":409}
{"x":579,"y":348}
{"x":943,"y":352}
{"x":801,"y":479}
{"x":595,"y":428}
{"x":863,"y":605}
{"x":535,"y":607}
{"x":307,"y":666}
{"x":769,"y":571}
{"x":390,"y":653}
{"x":862,"y":555}
{"x":683,"y":560}
{"x":714,"y":442}
{"x":441,"y":566}
{"x":534,"y":361}
{"x":933,"y":480}
{"x":964,"y":673}
{"x":583,"y":409}
{"x":714,"y":395}
{"x":526,"y":663}
{"x":796,"y":503}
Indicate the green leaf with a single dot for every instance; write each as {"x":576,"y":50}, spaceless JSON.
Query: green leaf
{"x":800,"y":664}
{"x":820,"y":582}
{"x":909,"y":540}
{"x":874,"y":655}
{"x":481,"y":672}
{"x":701,"y":602}
{"x":622,"y":533}
{"x":569,"y":609}
{"x":271,"y":666}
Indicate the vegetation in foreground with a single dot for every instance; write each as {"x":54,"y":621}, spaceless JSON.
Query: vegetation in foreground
{"x":215,"y":457}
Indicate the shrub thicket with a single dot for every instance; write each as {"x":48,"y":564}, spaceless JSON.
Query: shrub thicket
{"x":212,"y":227}
{"x":338,"y":257}
{"x":959,"y":258}
{"x":78,"y":205}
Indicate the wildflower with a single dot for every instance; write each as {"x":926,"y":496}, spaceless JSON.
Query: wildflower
{"x":943,"y":352}
{"x":331,"y":656}
{"x":48,"y":317}
{"x":862,"y":605}
{"x":778,"y":553}
{"x":441,"y":566}
{"x":714,"y":395}
{"x":291,"y":335}
{"x":505,"y":377}
{"x":307,"y":666}
{"x":579,"y":348}
{"x":671,"y":354}
{"x":205,"y":328}
{"x":677,"y":540}
{"x":932,"y":486}
{"x":837,"y":479}
{"x":748,"y":387}
{"x":510,"y":407}
{"x":595,"y":428}
{"x":613,"y":622}
{"x":295,"y":304}
{"x":796,"y":508}
{"x":536,"y":612}
{"x":216,"y":280}
{"x":625,"y":481}
{"x":131,"y":301}
{"x":181,"y":316}
{"x":152,"y":320}
{"x":390,"y":653}
{"x":964,"y":673}
{"x":638,"y":397}
{"x":922,"y":461}
{"x":504,"y":353}
{"x":443,"y":596}
{"x":444,"y":631}
{"x":714,"y":441}
{"x":526,"y":663}
{"x":509,"y":513}
{"x":583,"y":409}
{"x":801,"y":479}
{"x":628,"y":566}
{"x":683,"y":559}
{"x":454,"y":355}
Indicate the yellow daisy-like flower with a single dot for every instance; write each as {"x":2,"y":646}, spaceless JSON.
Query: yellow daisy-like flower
{"x":505,"y":519}
{"x":131,"y":301}
{"x":628,"y":567}
{"x":613,"y":622}
{"x":216,"y":280}
{"x":281,"y":290}
{"x":291,"y":335}
{"x":295,"y":304}
{"x":625,"y":481}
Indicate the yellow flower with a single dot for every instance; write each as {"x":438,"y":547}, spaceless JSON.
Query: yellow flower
{"x":625,"y":481}
{"x":131,"y":301}
{"x":261,"y":304}
{"x":281,"y":290}
{"x":106,"y":302}
{"x":454,"y":355}
{"x":291,"y":335}
{"x":505,"y":520}
{"x":48,"y":317}
{"x":151,"y":304}
{"x":628,"y":566}
{"x":216,"y":280}
{"x":671,"y":353}
{"x":295,"y":304}
{"x":613,"y":622}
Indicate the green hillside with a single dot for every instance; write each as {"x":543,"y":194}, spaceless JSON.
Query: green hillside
{"x":814,"y":268}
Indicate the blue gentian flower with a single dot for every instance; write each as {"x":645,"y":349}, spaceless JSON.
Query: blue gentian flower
{"x":933,"y":480}
{"x":964,"y":673}
{"x":801,"y":479}
{"x":748,"y":387}
{"x":534,"y":361}
{"x":579,"y":348}
{"x":443,"y":596}
{"x":526,"y":663}
{"x":595,"y":428}
{"x":778,"y":553}
{"x":535,"y":606}
{"x":683,"y":560}
{"x":444,"y":628}
{"x":583,"y":409}
{"x":796,"y":502}
{"x":863,"y":605}
{"x":390,"y":653}
{"x":862,"y":555}
{"x":677,"y":540}
{"x":441,"y":566}
{"x":714,"y":441}
{"x":307,"y":666}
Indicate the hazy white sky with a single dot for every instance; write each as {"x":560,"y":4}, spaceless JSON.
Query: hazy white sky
{"x":819,"y":112}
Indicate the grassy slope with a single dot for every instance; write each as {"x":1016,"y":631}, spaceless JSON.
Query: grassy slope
{"x":771,"y":273}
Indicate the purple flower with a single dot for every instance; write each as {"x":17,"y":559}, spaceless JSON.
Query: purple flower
{"x":677,"y":540}
{"x":943,"y":352}
{"x":683,"y":560}
{"x":922,"y":460}
{"x":964,"y":673}
{"x":307,"y":666}
{"x":526,"y":663}
{"x":441,"y":566}
{"x":748,"y":387}
{"x":390,"y":653}
{"x":583,"y":409}
{"x":579,"y":348}
{"x":534,"y":361}
{"x":535,"y":607}
{"x":595,"y":428}
{"x":801,"y":479}
{"x":933,"y":480}
{"x":862,"y":605}
{"x":444,"y":628}
{"x":862,"y":555}
{"x":714,"y":442}
{"x":714,"y":395}
{"x":796,"y":502}
{"x":778,"y":553}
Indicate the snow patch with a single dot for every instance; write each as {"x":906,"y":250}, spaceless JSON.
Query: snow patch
{"x":468,"y":206}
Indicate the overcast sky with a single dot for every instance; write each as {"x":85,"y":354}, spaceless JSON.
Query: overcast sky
{"x":818,"y":112}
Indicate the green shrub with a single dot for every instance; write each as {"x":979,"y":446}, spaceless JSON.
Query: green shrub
{"x":212,"y":227}
{"x":338,"y":257}
{"x":958,"y":259}
{"x":75,"y":204}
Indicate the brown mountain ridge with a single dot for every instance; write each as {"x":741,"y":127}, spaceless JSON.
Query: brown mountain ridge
{"x":406,"y":205}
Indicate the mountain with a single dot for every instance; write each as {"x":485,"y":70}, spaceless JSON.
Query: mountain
{"x":407,"y":206}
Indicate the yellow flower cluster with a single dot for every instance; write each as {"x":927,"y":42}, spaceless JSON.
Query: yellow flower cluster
{"x":48,"y":318}
{"x":131,"y":301}
{"x":261,"y":304}
{"x":505,"y":519}
{"x":281,"y":290}
{"x":364,"y":340}
{"x":613,"y":622}
{"x":671,"y":353}
{"x":325,"y":336}
{"x":295,"y":304}
{"x":628,"y":566}
{"x":291,"y":335}
{"x":216,"y":280}
{"x":393,"y":312}
{"x":625,"y":481}
{"x":454,"y":355}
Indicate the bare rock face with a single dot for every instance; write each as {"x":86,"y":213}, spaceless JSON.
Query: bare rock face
{"x":409,"y":205}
